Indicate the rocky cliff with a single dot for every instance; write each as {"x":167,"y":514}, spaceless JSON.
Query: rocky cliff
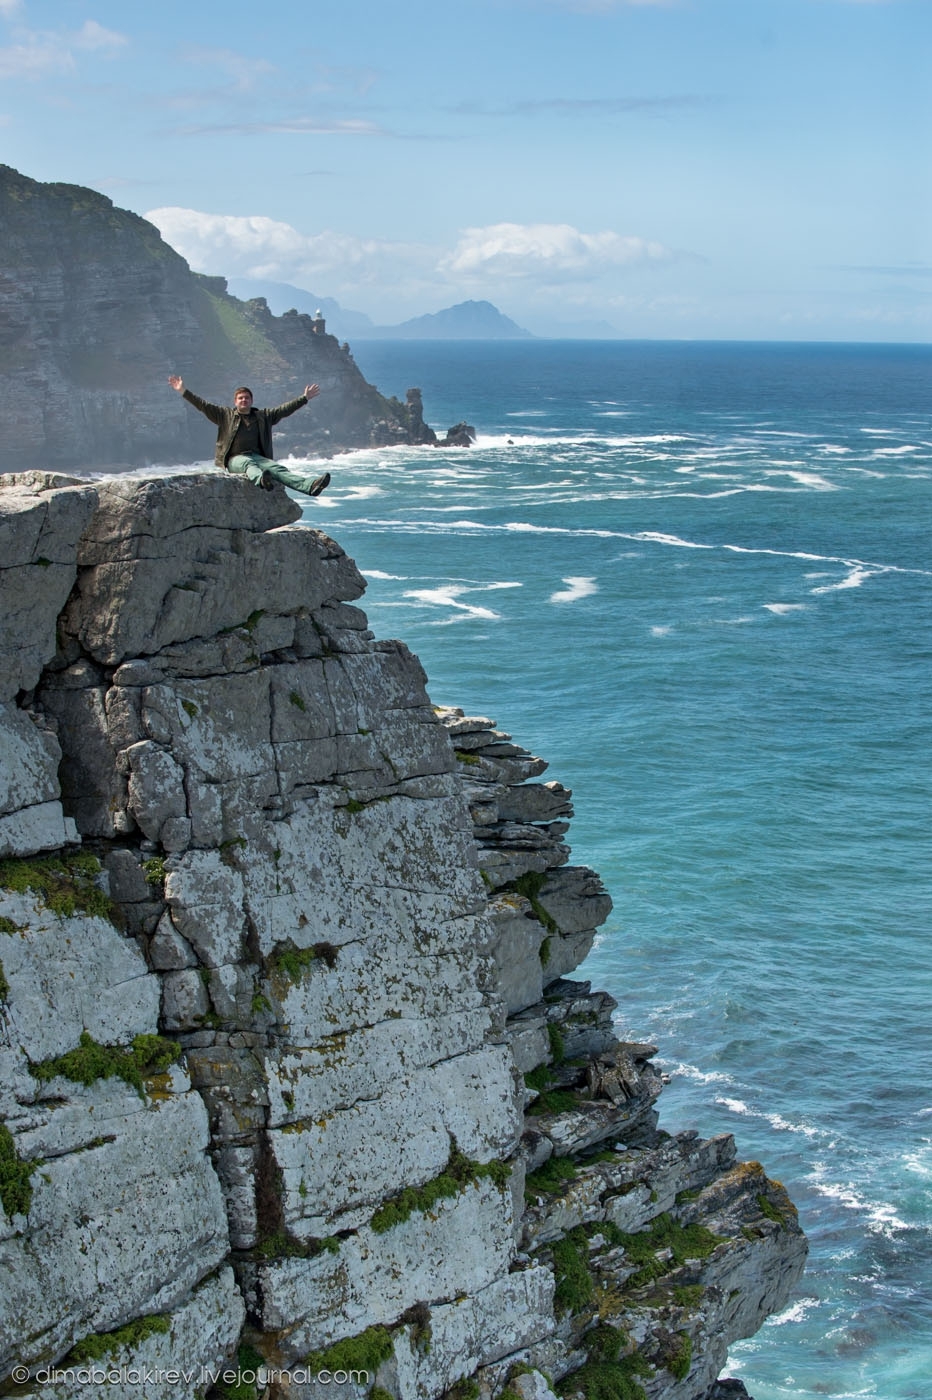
{"x":96,"y":311}
{"x":295,"y":1083}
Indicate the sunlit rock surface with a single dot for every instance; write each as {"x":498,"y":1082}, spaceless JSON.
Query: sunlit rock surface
{"x":291,"y":1054}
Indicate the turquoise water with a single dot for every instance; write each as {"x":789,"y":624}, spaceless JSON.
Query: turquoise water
{"x":697,"y":580}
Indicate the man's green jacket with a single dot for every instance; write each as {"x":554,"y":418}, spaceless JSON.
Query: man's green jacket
{"x":227,"y":421}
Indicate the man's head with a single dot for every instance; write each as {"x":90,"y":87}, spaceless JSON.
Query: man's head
{"x":242,"y":399}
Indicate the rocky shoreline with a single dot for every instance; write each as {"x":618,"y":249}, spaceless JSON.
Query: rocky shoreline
{"x":292,"y":1065}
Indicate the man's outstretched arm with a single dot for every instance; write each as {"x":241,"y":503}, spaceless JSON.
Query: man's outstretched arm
{"x":212,"y":411}
{"x":285,"y":409}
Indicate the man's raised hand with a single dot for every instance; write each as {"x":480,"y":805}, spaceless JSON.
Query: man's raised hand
{"x":312,"y":391}
{"x":177,"y":383}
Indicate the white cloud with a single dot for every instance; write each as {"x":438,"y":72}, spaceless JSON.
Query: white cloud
{"x":235,"y":245}
{"x":551,"y":250}
{"x":95,"y":37}
{"x":37,"y":53}
{"x":294,"y":126}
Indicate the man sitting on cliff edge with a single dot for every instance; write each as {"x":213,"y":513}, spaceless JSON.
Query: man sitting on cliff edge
{"x":244,"y":437}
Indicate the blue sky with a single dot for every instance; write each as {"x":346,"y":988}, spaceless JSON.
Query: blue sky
{"x":675,"y":168}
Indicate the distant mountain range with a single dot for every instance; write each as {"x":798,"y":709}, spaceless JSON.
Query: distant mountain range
{"x":469,"y":320}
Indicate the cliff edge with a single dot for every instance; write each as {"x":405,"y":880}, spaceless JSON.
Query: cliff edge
{"x":295,"y":1085}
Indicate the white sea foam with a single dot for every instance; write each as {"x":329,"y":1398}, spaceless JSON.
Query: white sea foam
{"x":881,"y":1216}
{"x":448,"y":595}
{"x":894,"y":451}
{"x":660,"y":631}
{"x":818,"y":483}
{"x":578,"y":588}
{"x":702,"y":1076}
{"x":776,"y":1120}
{"x":781,"y":608}
{"x":796,"y":1312}
{"x":854,"y":579}
{"x":359,"y":493}
{"x":648,"y":536}
{"x":735,"y":1106}
{"x":378,"y":573}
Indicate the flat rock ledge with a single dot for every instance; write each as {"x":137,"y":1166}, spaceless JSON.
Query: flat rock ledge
{"x":294,"y":1075}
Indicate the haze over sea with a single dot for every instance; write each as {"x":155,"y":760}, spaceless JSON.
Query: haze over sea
{"x":696,"y":578}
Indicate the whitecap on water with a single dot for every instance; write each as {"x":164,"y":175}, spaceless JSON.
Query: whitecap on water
{"x":811,"y":479}
{"x":797,"y":1311}
{"x":781,"y":608}
{"x":448,"y":595}
{"x":854,"y":579}
{"x":578,"y":588}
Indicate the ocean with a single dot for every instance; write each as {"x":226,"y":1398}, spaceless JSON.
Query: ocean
{"x":696,"y":579}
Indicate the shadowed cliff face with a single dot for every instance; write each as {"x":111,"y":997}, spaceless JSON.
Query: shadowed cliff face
{"x":290,"y":1053}
{"x":96,"y":311}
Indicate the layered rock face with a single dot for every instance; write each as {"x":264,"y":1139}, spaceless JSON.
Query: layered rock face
{"x":96,"y":311}
{"x":292,"y":1068}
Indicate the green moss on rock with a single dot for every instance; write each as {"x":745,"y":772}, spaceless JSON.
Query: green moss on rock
{"x":15,"y":1186}
{"x":459,"y":1173}
{"x":574,"y":1290}
{"x":365,"y":1352}
{"x":606,"y":1374}
{"x":66,"y":884}
{"x":101,"y":1344}
{"x":89,"y":1061}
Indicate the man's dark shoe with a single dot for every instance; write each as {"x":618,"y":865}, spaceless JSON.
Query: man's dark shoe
{"x":266,"y":481}
{"x":319,"y":485}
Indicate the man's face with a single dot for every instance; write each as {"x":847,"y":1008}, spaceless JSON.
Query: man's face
{"x":243,"y":401}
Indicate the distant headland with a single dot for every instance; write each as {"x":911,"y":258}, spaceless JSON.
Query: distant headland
{"x":96,"y":310}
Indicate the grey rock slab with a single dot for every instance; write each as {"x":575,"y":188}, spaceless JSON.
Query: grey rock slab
{"x":39,"y":534}
{"x":564,"y":955}
{"x":156,"y":788}
{"x":185,"y":1002}
{"x":313,"y":1082}
{"x":576,"y":899}
{"x":168,"y":951}
{"x":123,"y":1228}
{"x":513,"y":1313}
{"x":141,"y":592}
{"x":519,"y":937}
{"x":369,"y":984}
{"x":461,"y":1247}
{"x":72,"y":974}
{"x":40,"y":828}
{"x":139,"y":516}
{"x":173,"y":1365}
{"x":128,"y":883}
{"x":205,"y":897}
{"x":29,"y":758}
{"x":593,"y":1123}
